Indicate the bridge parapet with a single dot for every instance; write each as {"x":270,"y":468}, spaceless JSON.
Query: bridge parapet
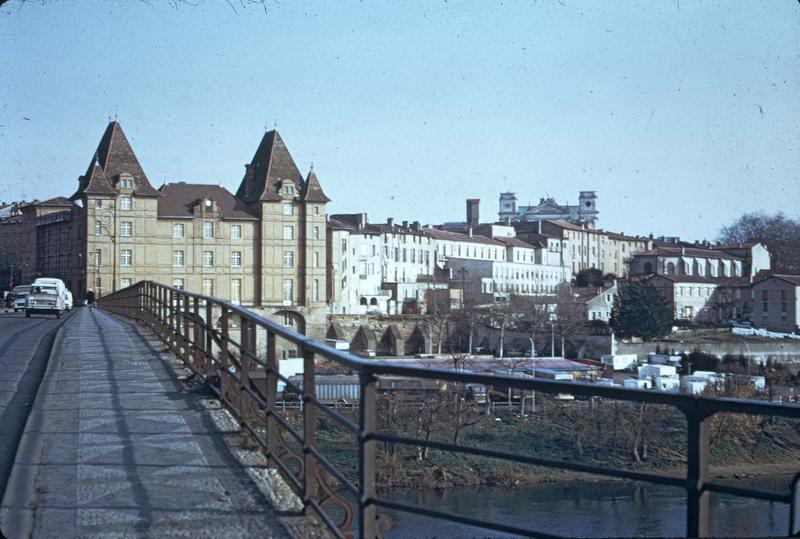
{"x":236,"y":352}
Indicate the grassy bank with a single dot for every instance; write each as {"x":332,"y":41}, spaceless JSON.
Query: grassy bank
{"x":650,"y":438}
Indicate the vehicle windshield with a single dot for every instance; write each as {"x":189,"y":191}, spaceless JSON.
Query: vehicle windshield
{"x":22,"y":290}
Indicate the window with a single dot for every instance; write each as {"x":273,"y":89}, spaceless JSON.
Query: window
{"x":344,"y":245}
{"x":288,"y":259}
{"x":127,"y":183}
{"x":208,"y":287}
{"x":288,"y":320}
{"x":316,"y":233}
{"x":177,"y":259}
{"x":208,"y":230}
{"x":287,"y":208}
{"x":125,"y":203}
{"x":126,"y":229}
{"x":98,"y":203}
{"x":208,"y":259}
{"x":98,"y":228}
{"x":765,"y":306}
{"x":288,"y":232}
{"x":288,"y":290}
{"x":178,"y":230}
{"x":315,"y":260}
{"x":765,"y":294}
{"x":236,"y":259}
{"x":236,"y":232}
{"x":315,"y":290}
{"x":236,"y":291}
{"x":98,"y":257}
{"x":178,"y":283}
{"x":125,"y":282}
{"x":126,"y":257}
{"x":288,"y":189}
{"x":316,"y":210}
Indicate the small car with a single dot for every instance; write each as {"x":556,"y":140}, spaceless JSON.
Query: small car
{"x":20,"y":293}
{"x":45,"y":299}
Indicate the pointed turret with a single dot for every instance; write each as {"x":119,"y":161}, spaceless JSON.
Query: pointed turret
{"x":313,"y":190}
{"x":114,"y":156}
{"x":271,"y":166}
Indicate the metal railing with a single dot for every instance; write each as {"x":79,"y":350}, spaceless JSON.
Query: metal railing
{"x":203,"y":332}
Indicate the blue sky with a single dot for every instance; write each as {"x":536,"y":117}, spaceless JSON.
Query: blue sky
{"x":682,"y":115}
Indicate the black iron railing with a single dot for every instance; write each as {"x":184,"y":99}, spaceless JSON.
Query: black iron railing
{"x":229,"y":346}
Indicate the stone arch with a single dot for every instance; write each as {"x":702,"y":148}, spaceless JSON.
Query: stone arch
{"x":292,"y":319}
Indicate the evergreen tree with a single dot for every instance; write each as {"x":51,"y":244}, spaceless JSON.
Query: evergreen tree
{"x":640,"y":311}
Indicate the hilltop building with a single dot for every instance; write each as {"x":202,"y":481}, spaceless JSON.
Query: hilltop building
{"x":585,"y":211}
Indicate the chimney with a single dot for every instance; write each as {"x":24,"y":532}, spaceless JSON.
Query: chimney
{"x":473,"y":211}
{"x":390,"y":221}
{"x":683,"y":251}
{"x":539,"y":226}
{"x":469,"y":231}
{"x":405,"y":224}
{"x":415,"y":225}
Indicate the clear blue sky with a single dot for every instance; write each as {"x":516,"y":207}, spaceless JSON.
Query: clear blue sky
{"x":682,"y":114}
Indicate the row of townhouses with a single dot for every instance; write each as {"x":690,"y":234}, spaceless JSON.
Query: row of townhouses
{"x":273,"y":247}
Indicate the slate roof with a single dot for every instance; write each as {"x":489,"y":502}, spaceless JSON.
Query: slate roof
{"x":700,"y":279}
{"x":179,"y":200}
{"x":271,"y":164}
{"x":114,"y":156}
{"x":455,"y":236}
{"x":689,"y":251}
{"x":515,"y":242}
{"x":791,"y":279}
{"x":313,"y":191}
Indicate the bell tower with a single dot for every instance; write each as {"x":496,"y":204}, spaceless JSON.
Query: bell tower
{"x":508,"y":207}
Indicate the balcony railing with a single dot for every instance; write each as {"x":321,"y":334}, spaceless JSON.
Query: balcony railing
{"x":234,"y":349}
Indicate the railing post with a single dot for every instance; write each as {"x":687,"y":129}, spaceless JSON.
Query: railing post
{"x":367,"y":517}
{"x":794,"y":508}
{"x":310,"y":486}
{"x":187,"y":355}
{"x":272,"y":399}
{"x":247,"y":348}
{"x":173,"y":315}
{"x":697,"y":512}
{"x":209,"y":334}
{"x":223,"y":353}
{"x":199,"y":339}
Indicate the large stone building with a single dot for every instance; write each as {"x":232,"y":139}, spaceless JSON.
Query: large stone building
{"x":585,"y":211}
{"x":263,"y":247}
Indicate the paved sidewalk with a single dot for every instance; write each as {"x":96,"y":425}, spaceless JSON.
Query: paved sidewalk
{"x":115,"y":447}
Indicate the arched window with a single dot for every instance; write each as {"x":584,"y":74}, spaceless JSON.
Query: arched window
{"x":670,"y":268}
{"x":373,"y":301}
{"x":363,"y":301}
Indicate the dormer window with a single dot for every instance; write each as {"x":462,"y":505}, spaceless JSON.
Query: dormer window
{"x":126,"y":181}
{"x":287,"y":188}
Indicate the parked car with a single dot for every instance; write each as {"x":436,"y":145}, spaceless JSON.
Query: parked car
{"x":45,"y":299}
{"x":20,"y":294}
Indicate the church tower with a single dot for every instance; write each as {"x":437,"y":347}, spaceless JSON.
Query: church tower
{"x":508,"y":207}
{"x":587,"y":208}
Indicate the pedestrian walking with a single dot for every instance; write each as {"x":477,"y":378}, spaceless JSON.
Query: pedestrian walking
{"x":89,"y":299}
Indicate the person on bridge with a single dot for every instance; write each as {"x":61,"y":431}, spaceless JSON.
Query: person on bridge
{"x":89,"y":299}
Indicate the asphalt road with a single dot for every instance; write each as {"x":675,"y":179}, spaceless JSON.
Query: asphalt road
{"x":25,"y":345}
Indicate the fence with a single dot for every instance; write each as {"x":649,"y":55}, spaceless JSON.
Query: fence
{"x":219,"y":340}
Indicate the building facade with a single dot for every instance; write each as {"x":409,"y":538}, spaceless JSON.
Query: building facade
{"x":264,"y":247}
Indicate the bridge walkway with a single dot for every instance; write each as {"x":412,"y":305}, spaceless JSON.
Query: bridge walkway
{"x":115,"y":446}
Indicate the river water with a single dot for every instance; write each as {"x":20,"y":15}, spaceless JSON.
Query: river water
{"x":590,"y":510}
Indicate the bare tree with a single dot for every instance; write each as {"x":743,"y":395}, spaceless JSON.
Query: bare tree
{"x":569,"y":316}
{"x":534,"y":313}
